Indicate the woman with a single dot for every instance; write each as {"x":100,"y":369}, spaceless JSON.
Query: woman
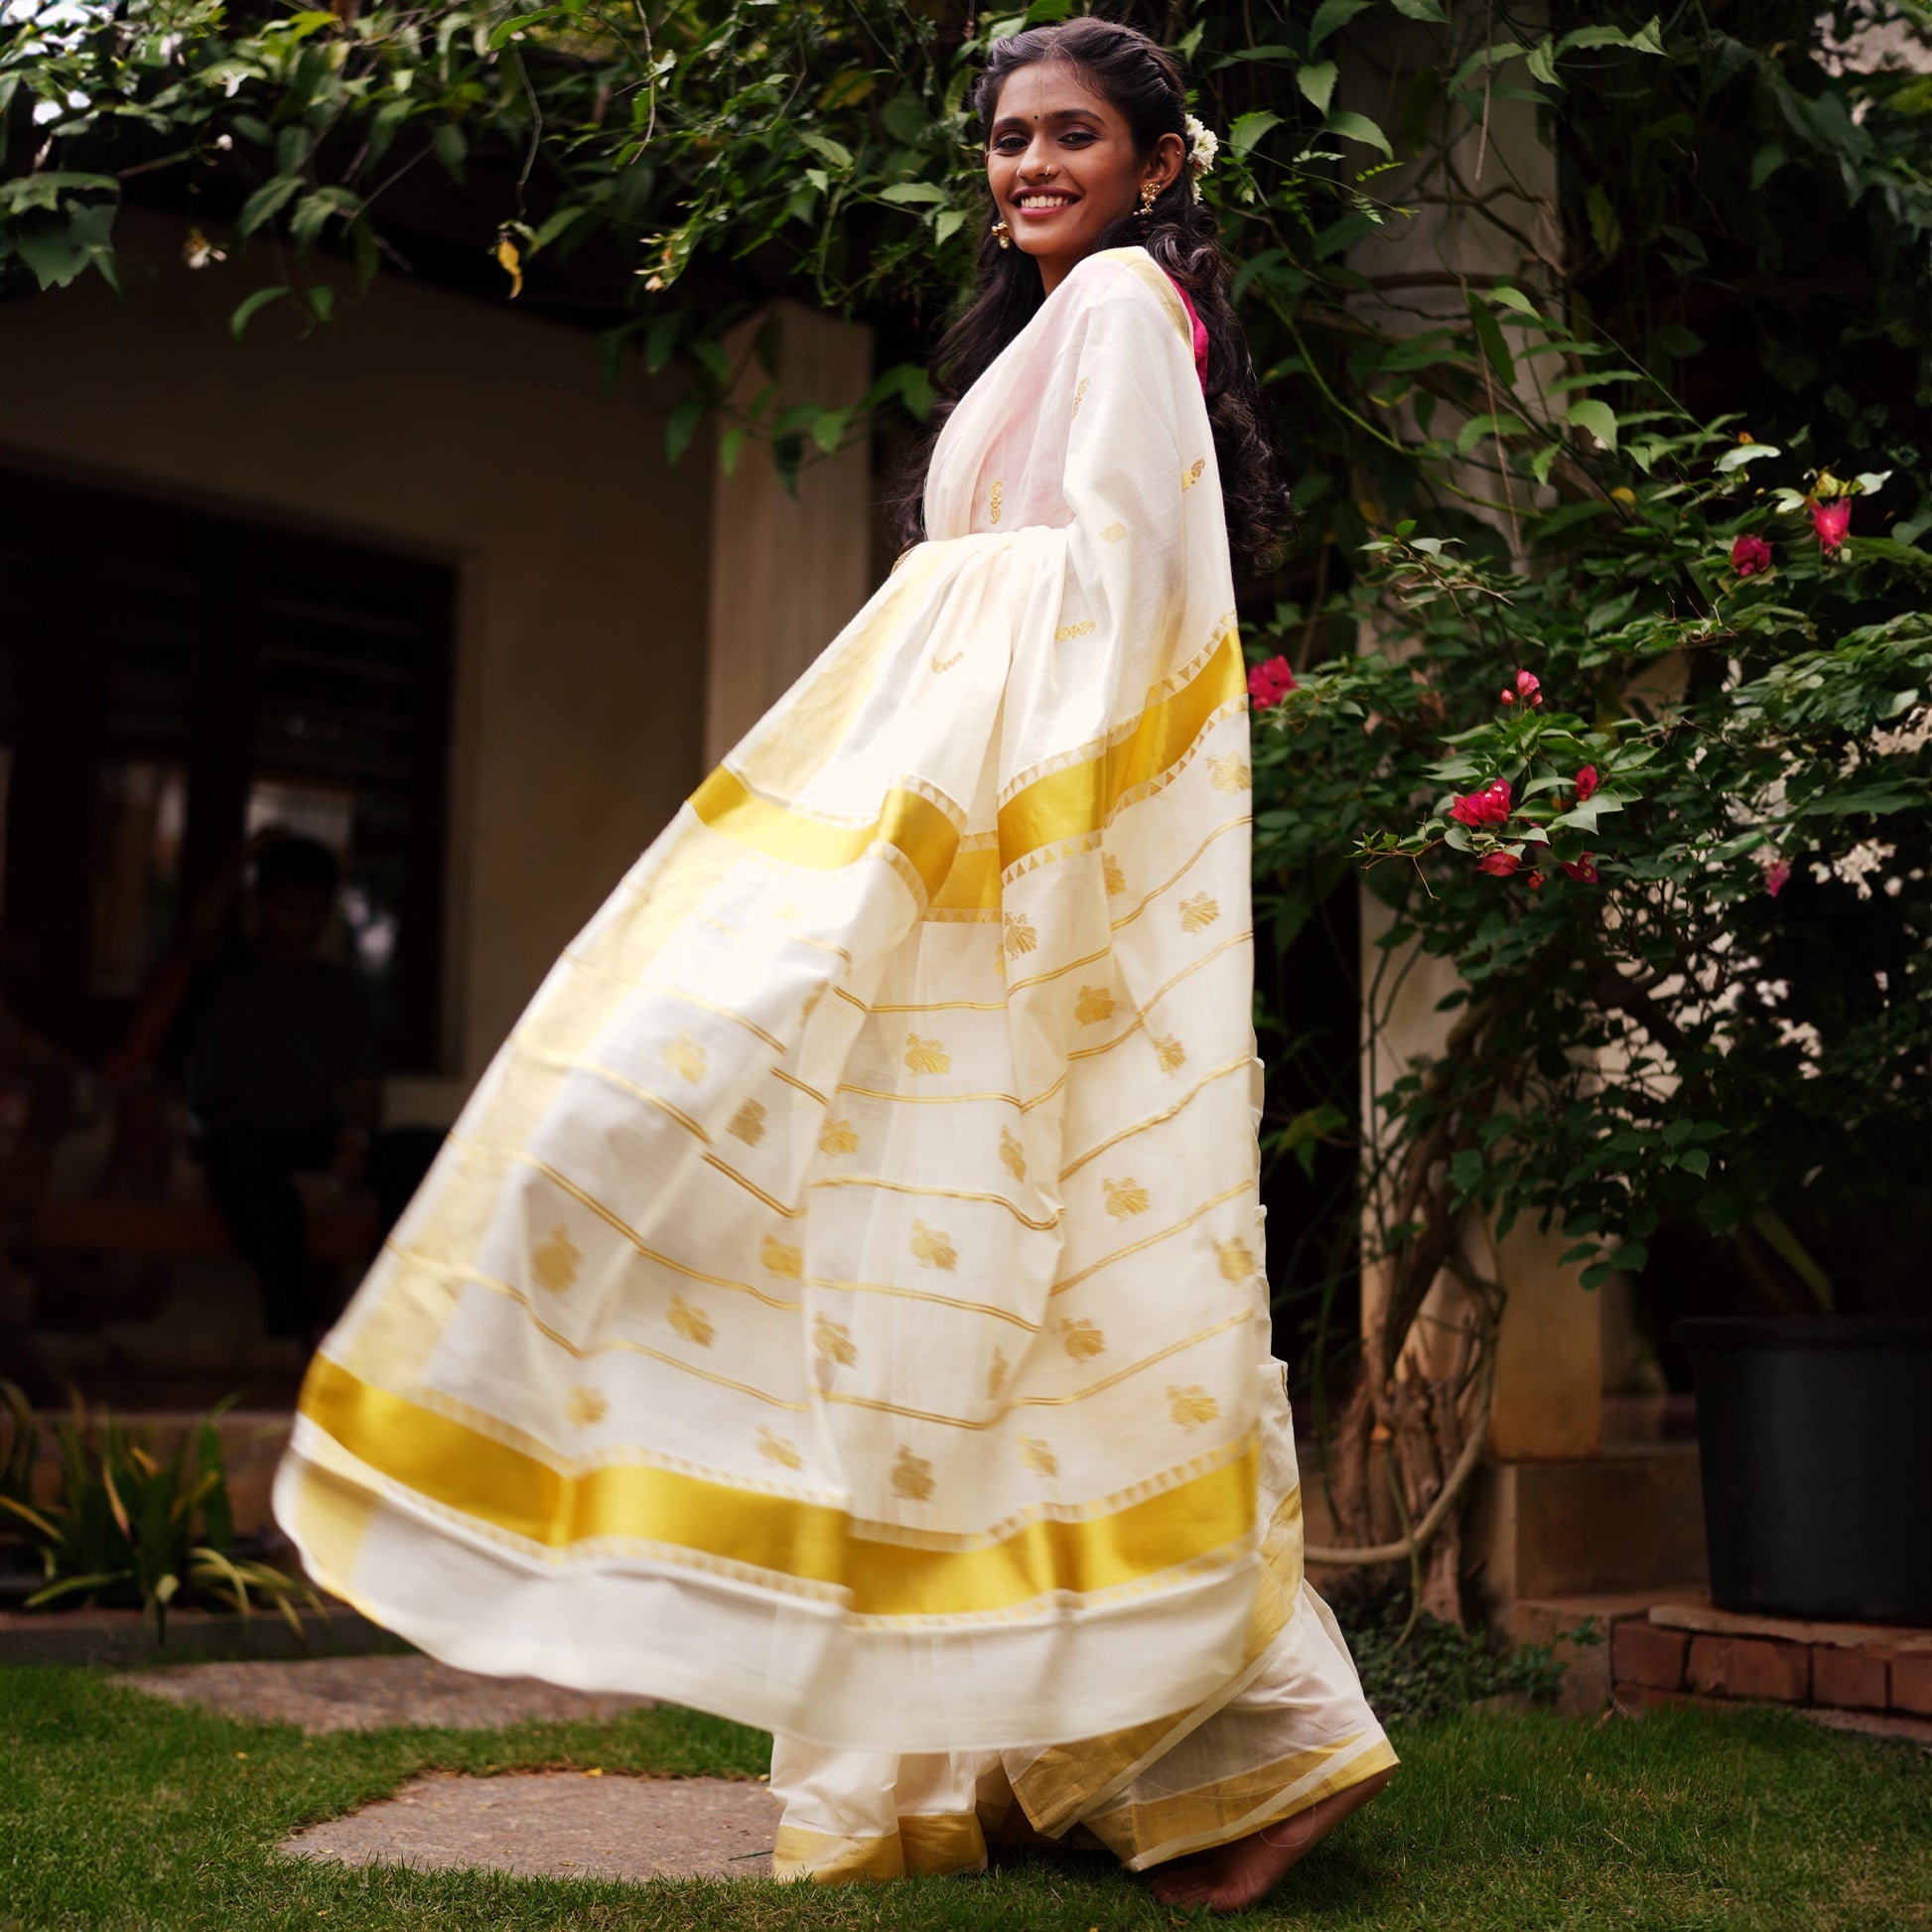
{"x":840,"y":1306}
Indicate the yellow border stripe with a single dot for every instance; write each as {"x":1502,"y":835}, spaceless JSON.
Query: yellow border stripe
{"x":1084,"y":798}
{"x":460,"y":1468}
{"x":908,"y":822}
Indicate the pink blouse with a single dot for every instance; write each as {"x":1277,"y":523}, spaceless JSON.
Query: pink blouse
{"x":1200,"y":335}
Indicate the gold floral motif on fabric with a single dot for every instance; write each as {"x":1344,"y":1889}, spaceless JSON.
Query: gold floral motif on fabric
{"x":1111,"y":875}
{"x":1237,"y":1261}
{"x":1013,"y":1155}
{"x":776,"y":1448}
{"x":686,"y":1058}
{"x":1069,"y":631}
{"x":1125,"y":1197}
{"x":1035,"y":1455}
{"x":1230,"y":772}
{"x":911,"y":1476}
{"x":926,"y":1055}
{"x":838,"y":1137}
{"x":833,"y":1341}
{"x":1113,"y":532}
{"x":810,"y":1006}
{"x":994,"y":500}
{"x":996,"y":1374}
{"x":1095,"y":1003}
{"x":1198,"y":912}
{"x":1082,"y":1339}
{"x":782,"y":1258}
{"x":942,"y":665}
{"x":1169,"y":1051}
{"x":747,"y":1124}
{"x":692,"y":1323}
{"x":1080,"y":393}
{"x":1020,"y":934}
{"x":1192,"y":475}
{"x":586,"y":1406}
{"x":554,"y":1264}
{"x":933,"y":1248}
{"x":1192,"y":1405}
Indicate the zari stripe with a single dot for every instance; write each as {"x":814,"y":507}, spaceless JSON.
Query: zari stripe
{"x":460,"y":1468}
{"x":1084,"y":798}
{"x":1052,"y":810}
{"x":909,"y":823}
{"x":1220,"y":1072}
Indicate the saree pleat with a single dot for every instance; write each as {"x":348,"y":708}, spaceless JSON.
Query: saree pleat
{"x":839,"y":1305}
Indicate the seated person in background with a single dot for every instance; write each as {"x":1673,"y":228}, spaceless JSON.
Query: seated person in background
{"x":282,"y":1080}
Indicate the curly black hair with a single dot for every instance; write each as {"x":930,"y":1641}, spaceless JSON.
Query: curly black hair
{"x":1143,"y":80}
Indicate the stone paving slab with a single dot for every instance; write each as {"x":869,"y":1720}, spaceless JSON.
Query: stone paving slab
{"x":560,"y":1825}
{"x":324,"y":1694}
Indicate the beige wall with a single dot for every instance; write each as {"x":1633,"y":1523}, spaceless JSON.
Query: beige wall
{"x":449,"y":429}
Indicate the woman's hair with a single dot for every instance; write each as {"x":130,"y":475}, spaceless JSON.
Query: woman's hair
{"x":1143,"y":82}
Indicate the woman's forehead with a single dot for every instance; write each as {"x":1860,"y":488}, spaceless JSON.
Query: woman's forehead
{"x":1047,"y":91}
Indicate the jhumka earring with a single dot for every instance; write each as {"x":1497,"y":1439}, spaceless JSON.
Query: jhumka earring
{"x":1149,"y":194}
{"x":1002,"y":233}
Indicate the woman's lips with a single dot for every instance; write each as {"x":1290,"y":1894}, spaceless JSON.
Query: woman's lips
{"x":1047,"y":210}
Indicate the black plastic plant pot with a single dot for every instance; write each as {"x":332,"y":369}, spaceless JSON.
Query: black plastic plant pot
{"x":1816,"y":1444}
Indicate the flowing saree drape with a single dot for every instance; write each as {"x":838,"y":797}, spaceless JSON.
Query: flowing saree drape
{"x":840,"y":1305}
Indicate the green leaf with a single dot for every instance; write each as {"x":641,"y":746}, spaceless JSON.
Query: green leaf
{"x":1542,"y":64}
{"x":660,"y":338}
{"x":450,"y":147}
{"x":1604,"y":229}
{"x":828,"y":429}
{"x":251,"y":306}
{"x":1250,"y":129}
{"x":1740,"y":454}
{"x":1495,"y":351}
{"x":1596,"y":417}
{"x":1317,"y":82}
{"x":729,"y":445}
{"x":1331,"y":15}
{"x":948,"y":223}
{"x":1358,"y":127}
{"x":1766,"y":162}
{"x":517,"y":24}
{"x":829,"y":150}
{"x":682,"y":424}
{"x":905,"y":193}
{"x":1502,"y":423}
{"x":322,"y":302}
{"x":1512,"y":298}
{"x":1430,"y":10}
{"x":264,"y":202}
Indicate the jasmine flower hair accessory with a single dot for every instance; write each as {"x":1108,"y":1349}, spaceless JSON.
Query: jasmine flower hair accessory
{"x":1202,"y":147}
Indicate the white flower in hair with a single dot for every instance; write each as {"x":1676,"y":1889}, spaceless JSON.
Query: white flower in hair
{"x":1202,"y":147}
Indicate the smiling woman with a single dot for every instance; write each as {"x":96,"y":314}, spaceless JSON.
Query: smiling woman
{"x":842,"y":1304}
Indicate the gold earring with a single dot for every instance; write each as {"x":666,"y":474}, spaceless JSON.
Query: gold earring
{"x":1002,"y":233}
{"x":1149,"y":194}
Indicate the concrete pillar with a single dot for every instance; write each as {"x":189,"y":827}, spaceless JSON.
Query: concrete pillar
{"x":787,"y":572}
{"x":1485,"y":201}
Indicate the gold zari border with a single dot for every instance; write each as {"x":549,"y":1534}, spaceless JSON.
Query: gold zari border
{"x":460,"y":1468}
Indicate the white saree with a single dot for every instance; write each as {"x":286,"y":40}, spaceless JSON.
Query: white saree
{"x":840,"y":1305}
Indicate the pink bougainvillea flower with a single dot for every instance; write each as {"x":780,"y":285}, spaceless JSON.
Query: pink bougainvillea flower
{"x":1528,"y":687}
{"x":1489,"y":806}
{"x":1500,"y":863}
{"x":1750,"y":556}
{"x":1269,"y":683}
{"x":1582,"y":870}
{"x":1775,"y":875}
{"x":1586,"y":782}
{"x":1535,"y":882}
{"x":1508,"y":697}
{"x":1832,"y":521}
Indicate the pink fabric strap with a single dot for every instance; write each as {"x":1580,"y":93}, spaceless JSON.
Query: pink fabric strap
{"x":1200,"y":334}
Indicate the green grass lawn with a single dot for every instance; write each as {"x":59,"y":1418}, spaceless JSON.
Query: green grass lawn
{"x":119,"y":1812}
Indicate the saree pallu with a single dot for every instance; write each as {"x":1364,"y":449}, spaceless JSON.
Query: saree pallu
{"x":840,"y":1304}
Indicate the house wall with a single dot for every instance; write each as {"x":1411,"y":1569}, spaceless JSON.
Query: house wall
{"x":446,"y":428}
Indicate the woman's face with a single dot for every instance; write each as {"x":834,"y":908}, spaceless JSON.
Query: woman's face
{"x":1062,"y":165}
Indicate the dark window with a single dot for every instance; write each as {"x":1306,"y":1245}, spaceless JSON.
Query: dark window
{"x":171,"y":681}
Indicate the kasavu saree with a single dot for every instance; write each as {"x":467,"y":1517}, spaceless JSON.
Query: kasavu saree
{"x":841,"y":1305}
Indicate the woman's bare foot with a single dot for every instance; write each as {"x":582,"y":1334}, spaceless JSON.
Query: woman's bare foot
{"x":1234,"y":1877}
